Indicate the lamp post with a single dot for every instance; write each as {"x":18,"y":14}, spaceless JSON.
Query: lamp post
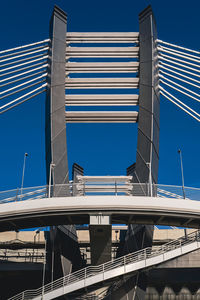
{"x":52,"y":166}
{"x":150,"y":178}
{"x":50,"y":174}
{"x":44,"y":267}
{"x":24,"y":164}
{"x":183,"y":185}
{"x":182,"y":175}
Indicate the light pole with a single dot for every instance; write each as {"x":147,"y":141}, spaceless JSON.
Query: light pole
{"x":150,"y":178}
{"x":52,"y":227}
{"x":50,"y":174}
{"x":44,"y":267}
{"x":24,"y":164}
{"x":52,"y":253}
{"x":182,"y":175}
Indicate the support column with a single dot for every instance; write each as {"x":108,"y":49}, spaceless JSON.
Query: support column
{"x":100,"y":239}
{"x":146,"y":166}
{"x":56,"y":145}
{"x":64,"y":248}
{"x":149,"y":102}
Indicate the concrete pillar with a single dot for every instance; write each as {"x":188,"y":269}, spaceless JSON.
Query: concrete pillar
{"x":100,"y":243}
{"x":139,"y":236}
{"x":65,"y":253}
{"x":149,"y":102}
{"x":56,"y":146}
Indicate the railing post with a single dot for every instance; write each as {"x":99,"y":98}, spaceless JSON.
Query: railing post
{"x":197,"y":237}
{"x":124,"y":260}
{"x":84,"y":188}
{"x":23,"y":296}
{"x":180,"y":245}
{"x":85,"y":275}
{"x":163,"y":252}
{"x":17,"y":193}
{"x":145,"y":256}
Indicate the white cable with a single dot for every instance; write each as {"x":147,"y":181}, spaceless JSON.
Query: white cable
{"x":176,"y":46}
{"x":180,"y":106}
{"x":30,"y":71}
{"x":180,"y":60}
{"x":179,"y":85}
{"x":179,"y":69}
{"x":173,"y":62}
{"x":24,"y":83}
{"x":24,"y":46}
{"x":181,"y":52}
{"x":21,"y":97}
{"x":24,"y":59}
{"x":23,"y":78}
{"x":41,"y":64}
{"x":168,"y":74}
{"x":28,"y":62}
{"x":173,"y":87}
{"x":161,"y":88}
{"x":38,"y":93}
{"x":24,"y":88}
{"x":22,"y":55}
{"x":177,"y":54}
{"x":23,"y":51}
{"x":185,"y":76}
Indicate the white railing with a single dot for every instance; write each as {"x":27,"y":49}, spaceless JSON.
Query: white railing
{"x":88,"y":272}
{"x":100,"y":188}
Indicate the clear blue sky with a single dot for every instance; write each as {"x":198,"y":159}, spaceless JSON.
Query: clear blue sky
{"x":100,"y":149}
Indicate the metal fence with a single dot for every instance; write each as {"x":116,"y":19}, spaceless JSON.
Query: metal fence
{"x":96,"y":188}
{"x":25,"y":255}
{"x":88,"y":272}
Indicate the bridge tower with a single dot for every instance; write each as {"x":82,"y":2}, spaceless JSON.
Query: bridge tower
{"x":143,"y":64}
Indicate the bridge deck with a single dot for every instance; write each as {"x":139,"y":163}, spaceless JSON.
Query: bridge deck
{"x":122,"y":209}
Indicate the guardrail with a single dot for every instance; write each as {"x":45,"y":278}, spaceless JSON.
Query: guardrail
{"x":27,"y":255}
{"x":88,"y":272}
{"x":100,"y":188}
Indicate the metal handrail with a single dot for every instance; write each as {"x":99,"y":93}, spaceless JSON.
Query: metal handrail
{"x":90,"y":271}
{"x":100,"y":188}
{"x":27,"y":255}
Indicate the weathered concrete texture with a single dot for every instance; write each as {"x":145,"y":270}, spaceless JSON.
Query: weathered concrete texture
{"x":190,"y":260}
{"x":100,"y":243}
{"x":66,"y":250}
{"x":63,"y":245}
{"x":147,"y":158}
{"x":56,"y":146}
{"x":173,"y":284}
{"x":149,"y":103}
{"x":130,"y":289}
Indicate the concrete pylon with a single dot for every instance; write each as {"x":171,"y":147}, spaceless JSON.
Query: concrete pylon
{"x":65,"y":253}
{"x":145,"y":170}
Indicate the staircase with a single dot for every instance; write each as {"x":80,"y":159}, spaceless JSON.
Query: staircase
{"x":127,"y":264}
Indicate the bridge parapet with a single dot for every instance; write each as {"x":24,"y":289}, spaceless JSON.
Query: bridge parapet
{"x":105,"y":188}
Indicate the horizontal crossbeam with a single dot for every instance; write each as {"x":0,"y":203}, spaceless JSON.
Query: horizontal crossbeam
{"x":96,"y":83}
{"x":101,"y":100}
{"x":98,"y":67}
{"x":101,"y":116}
{"x":102,"y":37}
{"x":130,"y":52}
{"x":104,"y":179}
